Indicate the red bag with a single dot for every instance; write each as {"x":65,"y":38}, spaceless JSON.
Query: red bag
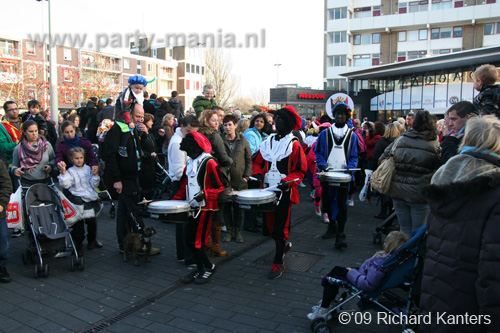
{"x":15,"y":218}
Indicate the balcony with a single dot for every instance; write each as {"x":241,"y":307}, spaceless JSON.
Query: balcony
{"x":9,"y":52}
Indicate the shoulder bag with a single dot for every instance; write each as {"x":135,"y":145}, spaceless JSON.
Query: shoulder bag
{"x":381,"y":178}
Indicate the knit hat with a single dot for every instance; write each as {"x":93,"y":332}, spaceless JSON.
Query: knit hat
{"x":137,"y":79}
{"x":202,"y":141}
{"x":298,"y":120}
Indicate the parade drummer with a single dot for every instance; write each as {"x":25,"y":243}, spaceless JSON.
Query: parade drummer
{"x":201,"y":186}
{"x":281,"y":162}
{"x":337,"y":149}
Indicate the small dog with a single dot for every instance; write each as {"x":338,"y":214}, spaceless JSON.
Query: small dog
{"x":133,"y":242}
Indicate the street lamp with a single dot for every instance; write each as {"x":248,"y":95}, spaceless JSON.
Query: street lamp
{"x":54,"y":102}
{"x":277,"y":73}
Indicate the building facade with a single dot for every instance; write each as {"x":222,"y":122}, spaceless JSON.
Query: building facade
{"x":361,"y":34}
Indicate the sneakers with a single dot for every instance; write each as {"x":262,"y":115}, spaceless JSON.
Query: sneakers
{"x":16,"y":233}
{"x":288,"y":246}
{"x":4,"y":275}
{"x":317,"y":211}
{"x":276,"y":271}
{"x":224,"y":228}
{"x":312,"y":194}
{"x":326,"y":219}
{"x":350,"y":202}
{"x":122,"y":151}
{"x":301,"y":184}
{"x":205,"y":276}
{"x":191,"y":277}
{"x":318,"y":312}
{"x":98,"y":244}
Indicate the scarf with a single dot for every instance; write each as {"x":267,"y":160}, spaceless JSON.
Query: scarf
{"x":271,"y":149}
{"x":192,"y":166}
{"x":30,"y":157}
{"x":474,"y":149}
{"x":72,"y":143}
{"x":12,"y":130}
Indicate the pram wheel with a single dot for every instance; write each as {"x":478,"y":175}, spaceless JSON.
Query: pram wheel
{"x":81,"y":265}
{"x":377,"y":237}
{"x":41,"y":271}
{"x":317,"y":321}
{"x":112,"y":212}
{"x":322,"y":328}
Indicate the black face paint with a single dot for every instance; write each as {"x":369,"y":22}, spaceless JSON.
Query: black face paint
{"x":340,"y":119}
{"x":281,"y":125}
{"x":189,"y":145}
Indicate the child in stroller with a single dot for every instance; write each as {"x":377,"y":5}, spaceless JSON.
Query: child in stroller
{"x":368,"y":277}
{"x":79,"y":183}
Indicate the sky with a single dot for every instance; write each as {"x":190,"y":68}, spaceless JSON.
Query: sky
{"x":293,"y":31}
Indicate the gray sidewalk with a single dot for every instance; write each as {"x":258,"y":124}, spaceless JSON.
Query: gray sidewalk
{"x":113,"y":296}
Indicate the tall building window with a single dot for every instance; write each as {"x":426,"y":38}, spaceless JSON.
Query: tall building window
{"x":362,"y":12}
{"x":376,"y":11}
{"x":376,"y":38}
{"x":336,"y":61}
{"x":67,"y":54}
{"x":362,"y":60}
{"x":402,"y":36}
{"x":422,"y":34}
{"x":441,"y":4}
{"x":30,"y":48}
{"x":492,"y":28}
{"x":126,"y":63}
{"x":337,"y":13}
{"x":336,"y":84}
{"x":337,"y":37}
{"x":457,"y":32}
{"x":402,"y":7}
{"x":375,"y":59}
{"x":188,"y":68}
{"x":363,"y":39}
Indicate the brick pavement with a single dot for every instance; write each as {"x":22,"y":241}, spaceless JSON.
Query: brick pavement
{"x":113,"y":296}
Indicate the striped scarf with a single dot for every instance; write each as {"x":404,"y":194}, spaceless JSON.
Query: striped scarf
{"x":12,"y":130}
{"x":30,"y":157}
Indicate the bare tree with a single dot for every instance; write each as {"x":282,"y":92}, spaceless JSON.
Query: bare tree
{"x":218,"y":73}
{"x":242,"y":103}
{"x":260,"y":96}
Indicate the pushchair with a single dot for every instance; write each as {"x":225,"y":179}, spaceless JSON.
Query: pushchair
{"x":388,"y":225}
{"x":102,"y":190}
{"x":398,"y":294}
{"x":48,"y":235}
{"x":162,"y":178}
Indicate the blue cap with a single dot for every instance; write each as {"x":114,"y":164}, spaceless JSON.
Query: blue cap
{"x":137,"y":79}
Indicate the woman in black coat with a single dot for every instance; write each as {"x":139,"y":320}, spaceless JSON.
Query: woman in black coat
{"x":462,"y":264}
{"x":148,"y":160}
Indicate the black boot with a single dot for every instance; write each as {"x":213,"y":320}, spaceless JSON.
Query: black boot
{"x":331,"y":231}
{"x":4,"y":275}
{"x":340,"y":241}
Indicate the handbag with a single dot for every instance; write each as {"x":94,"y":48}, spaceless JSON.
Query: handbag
{"x":364,"y":191}
{"x":382,"y":177}
{"x":15,"y":218}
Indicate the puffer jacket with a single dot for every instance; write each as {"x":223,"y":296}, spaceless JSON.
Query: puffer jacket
{"x":200,"y":103}
{"x":462,"y":267}
{"x":417,"y":157}
{"x":242,"y":165}
{"x":254,"y":138}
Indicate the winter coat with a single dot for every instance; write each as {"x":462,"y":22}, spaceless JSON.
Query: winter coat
{"x":381,"y":145}
{"x":417,"y":157}
{"x":169,"y":132}
{"x":37,"y":173}
{"x":118,"y":167}
{"x":6,"y":144}
{"x":370,"y":145}
{"x":488,"y":100}
{"x":62,"y":153}
{"x":462,"y":267}
{"x":369,"y":276}
{"x":254,"y":138}
{"x":5,"y":189}
{"x":242,"y":165}
{"x":81,"y":183}
{"x":449,"y":146}
{"x":219,"y":152}
{"x":177,"y":108}
{"x":200,"y":103}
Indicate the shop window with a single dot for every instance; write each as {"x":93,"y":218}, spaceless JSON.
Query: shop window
{"x":457,"y":32}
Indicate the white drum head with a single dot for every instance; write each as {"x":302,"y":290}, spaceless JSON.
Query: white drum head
{"x":169,"y":206}
{"x":338,"y":177}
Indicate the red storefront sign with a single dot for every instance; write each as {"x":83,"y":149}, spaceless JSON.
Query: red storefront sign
{"x":311,"y":96}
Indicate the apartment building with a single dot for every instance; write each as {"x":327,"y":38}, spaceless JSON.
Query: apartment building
{"x":360,"y":34}
{"x":24,"y":73}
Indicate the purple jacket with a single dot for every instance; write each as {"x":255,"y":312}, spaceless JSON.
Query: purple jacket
{"x":62,"y":153}
{"x":369,"y":276}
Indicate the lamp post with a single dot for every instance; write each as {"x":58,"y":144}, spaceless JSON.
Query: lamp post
{"x":54,"y":102}
{"x":277,"y":73}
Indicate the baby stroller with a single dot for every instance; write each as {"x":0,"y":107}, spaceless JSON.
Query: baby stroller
{"x":398,"y":294}
{"x":48,"y":235}
{"x":102,"y":190}
{"x":162,"y":178}
{"x":385,"y":228}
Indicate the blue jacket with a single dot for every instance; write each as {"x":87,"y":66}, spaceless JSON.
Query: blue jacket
{"x":254,"y":139}
{"x":369,"y":276}
{"x":324,"y":146}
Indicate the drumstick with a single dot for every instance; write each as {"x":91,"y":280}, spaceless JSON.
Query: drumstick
{"x":288,"y":182}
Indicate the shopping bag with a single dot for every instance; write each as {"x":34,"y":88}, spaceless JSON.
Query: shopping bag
{"x":382,"y":177}
{"x":15,"y":218}
{"x":71,"y":212}
{"x":364,"y":191}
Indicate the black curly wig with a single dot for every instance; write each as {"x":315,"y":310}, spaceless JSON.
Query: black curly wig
{"x":190,"y":146}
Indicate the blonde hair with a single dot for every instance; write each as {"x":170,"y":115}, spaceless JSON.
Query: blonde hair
{"x":483,"y":133}
{"x":166,"y":117}
{"x":76,"y":150}
{"x":487,"y":74}
{"x":205,"y":116}
{"x":392,"y":131}
{"x":243,"y":125}
{"x":393,"y":241}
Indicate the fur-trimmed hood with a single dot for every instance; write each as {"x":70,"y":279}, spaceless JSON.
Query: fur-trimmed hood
{"x":462,"y":177}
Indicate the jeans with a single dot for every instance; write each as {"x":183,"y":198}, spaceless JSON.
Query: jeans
{"x":4,"y":242}
{"x":410,"y":215}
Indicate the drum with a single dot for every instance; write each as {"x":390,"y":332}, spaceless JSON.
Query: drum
{"x":176,"y":211}
{"x":258,"y":200}
{"x":335,"y":178}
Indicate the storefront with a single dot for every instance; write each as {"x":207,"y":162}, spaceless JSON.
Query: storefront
{"x":431,"y":83}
